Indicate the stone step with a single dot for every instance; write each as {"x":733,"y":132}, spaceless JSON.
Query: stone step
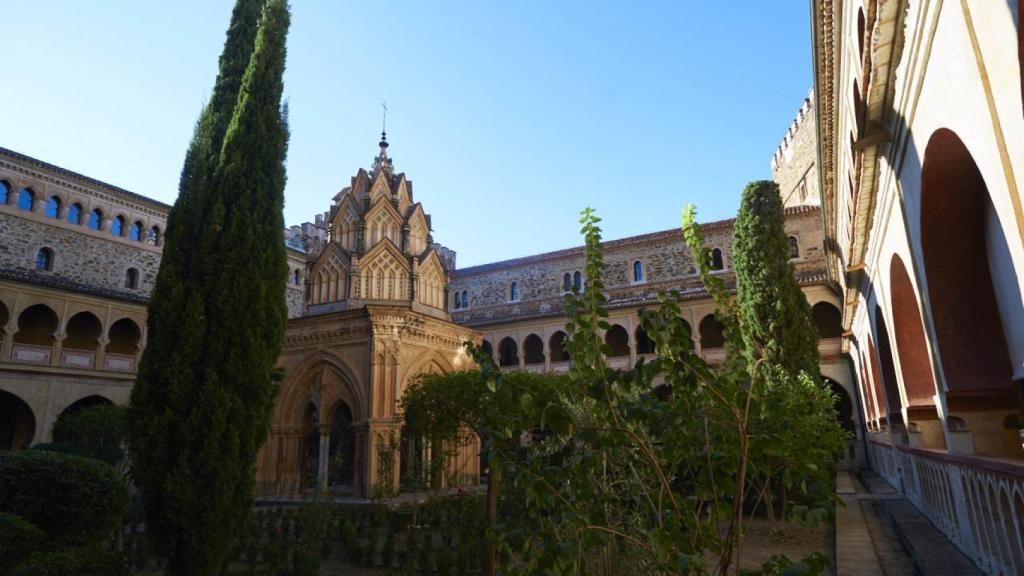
{"x":933,"y":553}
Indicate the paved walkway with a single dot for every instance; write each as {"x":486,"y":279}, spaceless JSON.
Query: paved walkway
{"x":878,"y":532}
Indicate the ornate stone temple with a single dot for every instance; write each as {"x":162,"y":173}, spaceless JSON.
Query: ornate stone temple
{"x":376,"y":317}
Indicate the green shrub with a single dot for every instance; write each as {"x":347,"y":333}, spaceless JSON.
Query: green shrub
{"x":18,"y":540}
{"x":92,"y":560}
{"x":99,"y":424}
{"x":109,"y":453}
{"x":72,"y":499}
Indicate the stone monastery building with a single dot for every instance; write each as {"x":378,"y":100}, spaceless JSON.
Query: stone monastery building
{"x":373,"y":301}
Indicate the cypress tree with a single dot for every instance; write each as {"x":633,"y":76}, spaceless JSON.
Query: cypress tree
{"x":201,"y":405}
{"x":775,"y":314}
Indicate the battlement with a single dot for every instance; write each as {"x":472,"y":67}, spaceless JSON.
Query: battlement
{"x":794,"y":164}
{"x":784,"y":151}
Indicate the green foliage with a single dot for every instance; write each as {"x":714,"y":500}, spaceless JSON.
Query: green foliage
{"x":775,"y":314}
{"x":201,"y":407}
{"x":794,"y":430}
{"x":19,"y":538}
{"x":98,"y":424}
{"x":90,"y":560}
{"x":74,"y":500}
{"x":108,"y":453}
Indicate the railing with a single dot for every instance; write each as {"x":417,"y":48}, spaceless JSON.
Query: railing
{"x":77,"y":358}
{"x":29,"y":354}
{"x":830,"y":346}
{"x":977,"y":502}
{"x":120,"y":362}
{"x":714,"y":355}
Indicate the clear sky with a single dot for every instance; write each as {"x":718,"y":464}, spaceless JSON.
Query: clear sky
{"x":509,"y":117}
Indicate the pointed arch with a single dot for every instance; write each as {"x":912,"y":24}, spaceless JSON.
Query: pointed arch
{"x":330,"y":273}
{"x":327,"y":378}
{"x":419,"y":229}
{"x":432,"y":281}
{"x":383,"y":222}
{"x":374,"y":268}
{"x":346,"y":222}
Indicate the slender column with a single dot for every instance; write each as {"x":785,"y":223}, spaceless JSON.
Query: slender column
{"x":324,"y":464}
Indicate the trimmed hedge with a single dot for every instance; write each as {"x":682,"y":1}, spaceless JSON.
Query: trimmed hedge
{"x":99,"y":424}
{"x":18,"y":540}
{"x":109,"y":453}
{"x":73,"y":499}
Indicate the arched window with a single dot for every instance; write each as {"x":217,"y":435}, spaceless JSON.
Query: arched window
{"x":124,"y":337}
{"x":828,"y":321}
{"x":638,"y":271}
{"x":117,"y":226}
{"x":618,"y":340}
{"x":567,"y":282}
{"x":131,"y":278}
{"x":458,"y":301}
{"x":644,"y":344}
{"x":44,"y":259}
{"x":794,"y":248}
{"x":295,"y":277}
{"x":513,"y":292}
{"x":26,"y":200}
{"x":465,"y":299}
{"x":53,"y":207}
{"x":711,"y":332}
{"x":556,"y":345}
{"x":577,"y":281}
{"x":486,"y":348}
{"x":508,"y":352}
{"x":5,"y":191}
{"x":135,"y":231}
{"x":153,"y":237}
{"x":860,"y":33}
{"x":95,"y":219}
{"x":717,"y":263}
{"x":533,"y":348}
{"x":75,"y":213}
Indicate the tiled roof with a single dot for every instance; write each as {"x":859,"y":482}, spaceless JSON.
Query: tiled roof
{"x":61,"y":283}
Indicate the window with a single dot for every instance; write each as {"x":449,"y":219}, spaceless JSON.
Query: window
{"x":117,"y":226}
{"x":154,"y":236}
{"x":44,"y":260}
{"x":135,"y":231}
{"x":716,"y":259}
{"x":567,"y":282}
{"x":794,"y":248}
{"x":295,"y":277}
{"x":26,"y":199}
{"x":75,"y":213}
{"x":458,"y":301}
{"x":5,"y":191}
{"x":53,"y":207}
{"x":95,"y":219}
{"x":465,"y":299}
{"x":577,"y":281}
{"x":638,"y":271}
{"x":131,"y":278}
{"x":513,"y":292}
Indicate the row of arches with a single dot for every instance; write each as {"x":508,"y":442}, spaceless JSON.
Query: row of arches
{"x":826,"y":317}
{"x":75,"y":214}
{"x":39,"y":326}
{"x":966,"y":286}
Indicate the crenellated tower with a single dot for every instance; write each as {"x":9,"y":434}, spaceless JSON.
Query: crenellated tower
{"x":379,"y":248}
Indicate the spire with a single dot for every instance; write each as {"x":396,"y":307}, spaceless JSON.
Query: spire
{"x":382,"y":162}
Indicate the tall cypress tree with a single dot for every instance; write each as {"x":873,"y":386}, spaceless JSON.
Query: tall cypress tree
{"x":776,"y":316}
{"x":200,"y":408}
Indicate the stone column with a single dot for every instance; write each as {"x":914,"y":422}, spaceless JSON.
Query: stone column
{"x":360,"y":463}
{"x":101,"y":352}
{"x":325,"y":451}
{"x":8,"y":340}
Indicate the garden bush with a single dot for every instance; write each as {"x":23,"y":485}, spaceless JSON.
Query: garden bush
{"x":19,"y":538}
{"x":74,"y":500}
{"x":90,"y":560}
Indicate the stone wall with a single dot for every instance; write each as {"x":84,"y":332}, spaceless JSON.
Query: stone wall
{"x":794,"y":164}
{"x":88,"y":259}
{"x":665,"y":258}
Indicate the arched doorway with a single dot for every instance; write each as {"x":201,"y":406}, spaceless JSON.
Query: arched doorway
{"x":644,"y":344}
{"x":843,"y":405}
{"x":17,"y":423}
{"x":881,"y":403}
{"x":342,"y":451}
{"x":556,"y":345}
{"x":961,"y":240}
{"x":910,"y":342}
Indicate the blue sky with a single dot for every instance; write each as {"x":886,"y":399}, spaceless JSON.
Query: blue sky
{"x":509,"y":117}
